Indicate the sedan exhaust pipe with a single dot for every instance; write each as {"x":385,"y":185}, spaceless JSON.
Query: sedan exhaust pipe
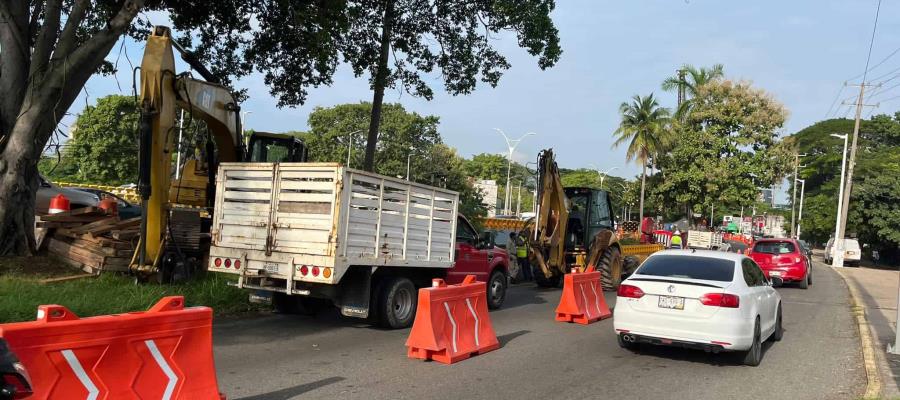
{"x":629,"y":338}
{"x":777,"y":281}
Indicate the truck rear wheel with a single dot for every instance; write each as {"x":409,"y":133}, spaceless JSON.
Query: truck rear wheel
{"x":611,"y":268}
{"x":396,"y":306}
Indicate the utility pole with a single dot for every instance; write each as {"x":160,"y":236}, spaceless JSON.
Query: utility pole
{"x":800,"y":213}
{"x":837,"y":222}
{"x":838,"y":259}
{"x":681,"y":74}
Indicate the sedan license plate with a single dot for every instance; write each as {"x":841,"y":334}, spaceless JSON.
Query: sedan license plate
{"x":671,"y":302}
{"x":271,"y":268}
{"x":774,"y":273}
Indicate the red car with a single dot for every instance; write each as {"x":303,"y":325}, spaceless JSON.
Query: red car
{"x":783,"y":259}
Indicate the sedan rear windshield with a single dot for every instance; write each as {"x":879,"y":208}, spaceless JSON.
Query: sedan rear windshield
{"x":689,"y":267}
{"x":773,"y":247}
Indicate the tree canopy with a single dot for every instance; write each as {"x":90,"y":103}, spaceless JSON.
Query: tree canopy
{"x":873,"y":213}
{"x":726,"y":147}
{"x":50,"y":48}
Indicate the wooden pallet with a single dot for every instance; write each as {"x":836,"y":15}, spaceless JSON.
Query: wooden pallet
{"x":83,"y":239}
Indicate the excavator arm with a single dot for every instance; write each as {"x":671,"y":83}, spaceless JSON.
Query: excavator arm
{"x":546,"y":235}
{"x":162,"y":91}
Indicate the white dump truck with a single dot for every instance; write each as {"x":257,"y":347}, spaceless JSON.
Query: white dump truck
{"x":704,"y":240}
{"x":313,"y":233}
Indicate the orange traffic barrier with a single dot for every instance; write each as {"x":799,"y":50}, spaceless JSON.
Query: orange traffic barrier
{"x":452,"y":322}
{"x":582,"y":298}
{"x":164,"y":353}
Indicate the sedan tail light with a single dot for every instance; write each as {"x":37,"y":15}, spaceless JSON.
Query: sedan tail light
{"x":632,"y":292}
{"x":720,"y":300}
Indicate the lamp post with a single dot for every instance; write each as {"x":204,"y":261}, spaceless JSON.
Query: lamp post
{"x":837,"y":257}
{"x":409,"y":161}
{"x":511,"y":146}
{"x":350,"y":144}
{"x":603,"y":175}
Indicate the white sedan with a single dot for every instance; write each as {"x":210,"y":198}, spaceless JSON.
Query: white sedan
{"x":707,"y":300}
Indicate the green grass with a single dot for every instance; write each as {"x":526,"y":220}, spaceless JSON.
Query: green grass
{"x":21,"y":293}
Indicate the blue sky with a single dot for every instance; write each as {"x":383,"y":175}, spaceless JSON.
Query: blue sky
{"x":799,"y":51}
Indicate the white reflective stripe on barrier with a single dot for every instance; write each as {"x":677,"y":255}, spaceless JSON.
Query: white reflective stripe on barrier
{"x":164,"y":366}
{"x":92,"y":390}
{"x":596,"y":300}
{"x":452,"y":323}
{"x":471,"y":310}
{"x":587,"y":309}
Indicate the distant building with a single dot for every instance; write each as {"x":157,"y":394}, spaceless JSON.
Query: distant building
{"x":767,"y":196}
{"x":488,"y":189}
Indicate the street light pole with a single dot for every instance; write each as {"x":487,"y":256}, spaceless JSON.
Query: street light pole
{"x":511,"y":145}
{"x":350,"y":144}
{"x":603,"y":175}
{"x":408,"y":161}
{"x":794,"y":196}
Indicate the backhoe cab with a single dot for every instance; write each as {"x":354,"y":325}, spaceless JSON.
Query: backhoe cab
{"x":573,"y":229}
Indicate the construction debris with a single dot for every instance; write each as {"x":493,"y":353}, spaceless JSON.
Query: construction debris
{"x":89,"y":239}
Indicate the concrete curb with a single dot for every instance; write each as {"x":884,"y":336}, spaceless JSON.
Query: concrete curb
{"x":873,"y":377}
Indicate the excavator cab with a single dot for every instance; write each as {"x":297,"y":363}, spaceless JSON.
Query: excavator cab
{"x":590,"y":212}
{"x":271,"y":147}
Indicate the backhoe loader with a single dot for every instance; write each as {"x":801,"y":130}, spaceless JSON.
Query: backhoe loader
{"x":175,"y":222}
{"x":573,"y":229}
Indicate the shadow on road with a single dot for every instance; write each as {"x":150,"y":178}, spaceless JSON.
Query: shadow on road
{"x":504,"y":339}
{"x":293,"y":391}
{"x":725,"y":359}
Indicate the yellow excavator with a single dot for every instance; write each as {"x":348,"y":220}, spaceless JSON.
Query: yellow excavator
{"x":175,"y":212}
{"x":574,"y":228}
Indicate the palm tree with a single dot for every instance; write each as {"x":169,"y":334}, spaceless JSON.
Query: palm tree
{"x":645,"y":126}
{"x":689,"y":82}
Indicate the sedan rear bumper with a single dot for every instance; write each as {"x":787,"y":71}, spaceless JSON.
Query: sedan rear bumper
{"x":685,"y":344}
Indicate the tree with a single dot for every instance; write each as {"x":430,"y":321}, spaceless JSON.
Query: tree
{"x":50,"y":48}
{"x":402,"y":133}
{"x":104,"y":145}
{"x":688,"y":81}
{"x":644,"y":126}
{"x":727,"y":146}
{"x":451,"y":35}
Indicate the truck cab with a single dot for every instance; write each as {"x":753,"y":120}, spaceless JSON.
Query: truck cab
{"x":476,"y":254}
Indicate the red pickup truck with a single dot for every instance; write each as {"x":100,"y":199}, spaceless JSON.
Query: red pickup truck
{"x":477,"y":255}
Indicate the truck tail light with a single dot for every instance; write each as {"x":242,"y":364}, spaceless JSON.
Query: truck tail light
{"x":326,"y":273}
{"x":315,"y":271}
{"x":632,"y":292}
{"x":218,"y":262}
{"x":304,"y":270}
{"x":227,"y":263}
{"x":725,"y":300}
{"x":237,"y":264}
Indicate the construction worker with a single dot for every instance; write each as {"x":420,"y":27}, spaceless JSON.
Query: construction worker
{"x":522,"y":256}
{"x":512,"y":253}
{"x":676,"y":240}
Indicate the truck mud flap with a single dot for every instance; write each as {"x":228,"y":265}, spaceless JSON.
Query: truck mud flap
{"x":355,"y":292}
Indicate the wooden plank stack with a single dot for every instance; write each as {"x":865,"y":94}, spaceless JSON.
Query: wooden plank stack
{"x":88,"y":239}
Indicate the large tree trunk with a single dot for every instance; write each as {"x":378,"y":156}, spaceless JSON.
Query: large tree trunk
{"x":380,"y":82}
{"x":38,"y":85}
{"x":643,"y":184}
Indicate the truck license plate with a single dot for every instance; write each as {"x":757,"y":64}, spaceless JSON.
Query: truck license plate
{"x":671,"y":302}
{"x":271,"y":268}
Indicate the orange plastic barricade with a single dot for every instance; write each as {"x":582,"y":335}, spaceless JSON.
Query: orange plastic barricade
{"x":582,"y":298}
{"x":452,"y":322}
{"x":164,"y":353}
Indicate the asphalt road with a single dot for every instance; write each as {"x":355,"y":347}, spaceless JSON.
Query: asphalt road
{"x":328,"y":357}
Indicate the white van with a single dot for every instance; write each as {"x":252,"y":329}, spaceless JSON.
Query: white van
{"x":852,"y":252}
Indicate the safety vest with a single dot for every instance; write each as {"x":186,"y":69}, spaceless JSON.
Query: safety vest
{"x":521,"y":250}
{"x":676,"y":240}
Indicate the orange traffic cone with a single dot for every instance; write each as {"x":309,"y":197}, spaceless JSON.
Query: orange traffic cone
{"x":59,"y":204}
